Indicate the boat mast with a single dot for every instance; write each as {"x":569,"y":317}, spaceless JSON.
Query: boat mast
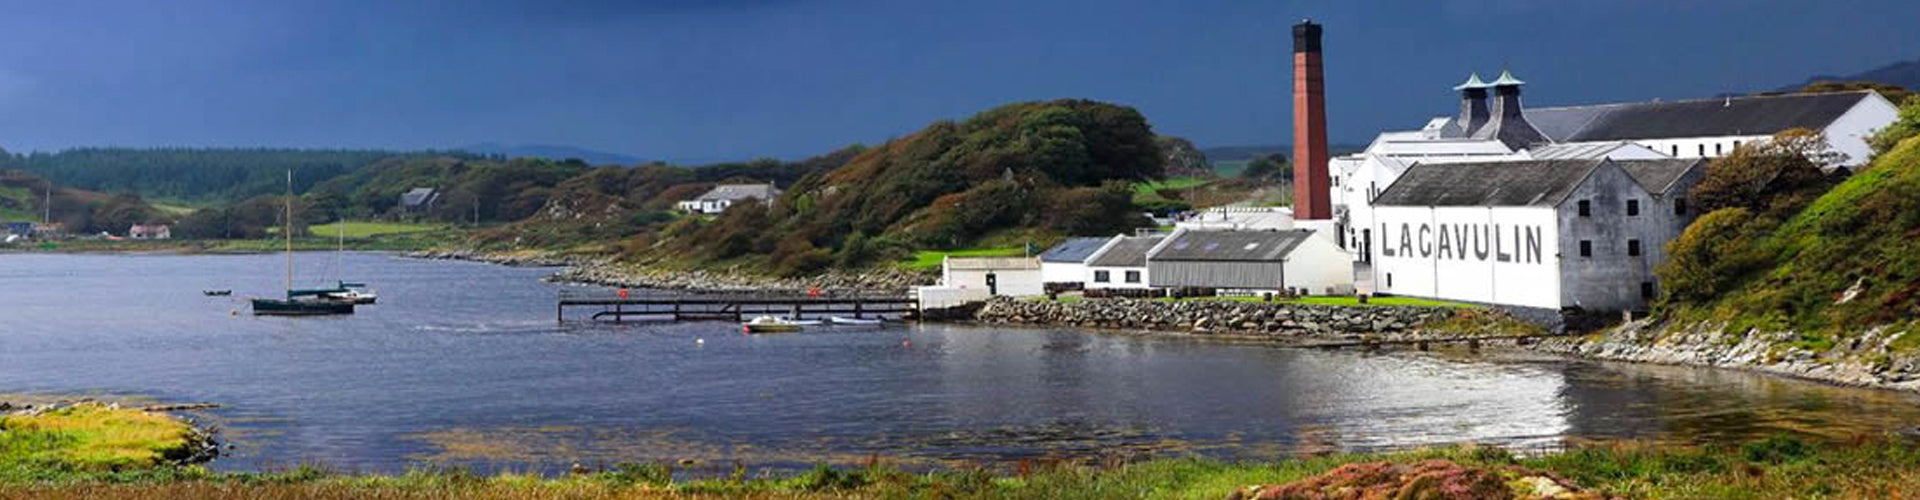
{"x":288,"y":230}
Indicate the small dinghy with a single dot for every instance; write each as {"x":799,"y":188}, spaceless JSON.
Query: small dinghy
{"x":770,"y":324}
{"x":846,"y":321}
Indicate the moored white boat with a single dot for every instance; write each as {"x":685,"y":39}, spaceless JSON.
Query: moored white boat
{"x":771,"y":324}
{"x":843,"y":320}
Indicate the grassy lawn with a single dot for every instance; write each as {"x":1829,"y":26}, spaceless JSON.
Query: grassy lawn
{"x":926,"y":260}
{"x":371,"y":229}
{"x":1147,"y":194}
{"x":92,"y":437}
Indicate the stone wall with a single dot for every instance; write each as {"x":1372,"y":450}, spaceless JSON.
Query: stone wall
{"x":1220,"y":317}
{"x":1868,"y":359}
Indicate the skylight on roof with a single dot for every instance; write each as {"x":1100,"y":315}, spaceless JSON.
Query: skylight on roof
{"x":1251,"y":246}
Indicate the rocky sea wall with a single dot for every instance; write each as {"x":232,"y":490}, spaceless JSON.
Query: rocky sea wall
{"x":1869,"y":359}
{"x":1275,"y":321}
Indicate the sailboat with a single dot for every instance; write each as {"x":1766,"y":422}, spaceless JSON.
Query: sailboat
{"x":356,"y":293}
{"x":298,"y":302}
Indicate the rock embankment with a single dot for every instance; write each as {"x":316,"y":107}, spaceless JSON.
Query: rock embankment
{"x":596,"y":271}
{"x":1869,"y":359}
{"x":1223,"y":318}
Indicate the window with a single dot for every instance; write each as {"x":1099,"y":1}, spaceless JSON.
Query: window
{"x":1716,"y":149}
{"x":1646,"y":290}
{"x":1676,"y":151}
{"x":1703,"y":150}
{"x":1679,"y":206}
{"x":1586,"y":208}
{"x":1133,"y":276}
{"x":1736,"y":144}
{"x":1586,"y":248}
{"x":1633,"y":248}
{"x":1633,"y":207}
{"x":1389,"y":280}
{"x":1102,"y":277}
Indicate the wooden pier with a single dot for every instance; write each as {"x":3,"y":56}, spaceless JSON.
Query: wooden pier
{"x":735,"y":306}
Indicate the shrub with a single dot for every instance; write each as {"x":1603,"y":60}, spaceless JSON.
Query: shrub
{"x":1713,"y":255}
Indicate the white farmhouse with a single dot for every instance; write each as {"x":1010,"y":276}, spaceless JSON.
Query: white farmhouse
{"x":722,"y":196}
{"x":1064,"y":267}
{"x":1546,"y":234}
{"x":1250,"y":261}
{"x":1121,"y":263}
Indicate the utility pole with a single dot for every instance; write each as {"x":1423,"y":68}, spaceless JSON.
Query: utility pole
{"x":47,"y":218}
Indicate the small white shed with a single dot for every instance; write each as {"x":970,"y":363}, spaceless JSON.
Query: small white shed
{"x":1013,"y":276}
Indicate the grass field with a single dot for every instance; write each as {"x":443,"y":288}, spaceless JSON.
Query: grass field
{"x":92,"y":437}
{"x":926,"y":260}
{"x":370,"y":229}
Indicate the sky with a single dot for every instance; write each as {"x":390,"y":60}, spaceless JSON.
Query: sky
{"x":704,"y":80}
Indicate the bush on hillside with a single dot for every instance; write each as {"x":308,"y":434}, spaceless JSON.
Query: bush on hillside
{"x":1774,"y":177}
{"x":1712,"y":256}
{"x":1907,"y":126}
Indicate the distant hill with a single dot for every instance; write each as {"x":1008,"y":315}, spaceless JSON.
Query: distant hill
{"x":552,"y":152}
{"x":194,"y":175}
{"x":1905,"y":74}
{"x":1218,"y":154}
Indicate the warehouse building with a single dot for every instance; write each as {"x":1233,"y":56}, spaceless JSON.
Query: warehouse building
{"x":1546,"y":234}
{"x":1293,"y":261}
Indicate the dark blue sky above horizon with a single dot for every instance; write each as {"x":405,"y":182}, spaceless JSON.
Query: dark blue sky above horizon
{"x":694,"y":80}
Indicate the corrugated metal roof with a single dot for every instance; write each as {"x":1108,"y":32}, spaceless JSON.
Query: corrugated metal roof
{"x":416,"y":196}
{"x":1074,"y":250}
{"x":1737,"y":116}
{"x":992,"y":263}
{"x":735,"y":192}
{"x":1511,"y":183}
{"x":1575,"y":150}
{"x":1189,"y":245}
{"x":1130,"y":251}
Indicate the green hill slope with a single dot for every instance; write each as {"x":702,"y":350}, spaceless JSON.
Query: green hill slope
{"x":1847,"y":262}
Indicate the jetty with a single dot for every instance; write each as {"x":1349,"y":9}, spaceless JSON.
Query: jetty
{"x":622,"y":304}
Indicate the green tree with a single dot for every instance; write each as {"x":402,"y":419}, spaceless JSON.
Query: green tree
{"x":1772,"y":177}
{"x":1907,"y":126}
{"x":1714,"y":254}
{"x":1268,"y":168}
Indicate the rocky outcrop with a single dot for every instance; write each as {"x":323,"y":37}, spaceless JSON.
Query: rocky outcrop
{"x":1870,"y":359}
{"x":1222,"y":318}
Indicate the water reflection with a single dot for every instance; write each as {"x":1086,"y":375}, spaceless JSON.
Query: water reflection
{"x":462,"y":364}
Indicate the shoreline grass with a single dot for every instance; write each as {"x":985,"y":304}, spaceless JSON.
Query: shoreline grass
{"x":93,"y":437}
{"x":1779,"y":467}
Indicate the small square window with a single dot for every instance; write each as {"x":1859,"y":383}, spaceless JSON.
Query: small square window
{"x":1133,"y":276}
{"x":1633,"y":248}
{"x":1586,"y":248}
{"x":1646,"y":290}
{"x":1633,"y":208}
{"x":1102,"y":277}
{"x":1586,"y":208}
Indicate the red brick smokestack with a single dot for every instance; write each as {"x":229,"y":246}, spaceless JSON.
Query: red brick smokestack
{"x":1310,"y":184}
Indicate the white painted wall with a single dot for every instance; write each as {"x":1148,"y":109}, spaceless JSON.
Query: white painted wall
{"x":941,"y":297}
{"x":1116,"y":277}
{"x":1013,"y":282}
{"x":1417,"y":266}
{"x":1319,"y":267}
{"x":1063,"y":272}
{"x":1692,"y":147}
{"x":1849,"y":134}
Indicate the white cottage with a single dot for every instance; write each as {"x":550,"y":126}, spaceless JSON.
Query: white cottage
{"x":717,"y":200}
{"x":1122,"y":263}
{"x":1250,"y":261}
{"x":1064,"y":267}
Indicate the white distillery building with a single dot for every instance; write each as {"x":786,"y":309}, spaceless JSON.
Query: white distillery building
{"x":1121,"y":263}
{"x":717,"y":200}
{"x":1494,"y":126}
{"x":1250,"y":261}
{"x":1546,"y":234}
{"x":1065,"y":265}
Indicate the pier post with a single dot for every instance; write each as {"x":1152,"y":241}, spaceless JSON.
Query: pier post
{"x":560,"y":312}
{"x":617,"y":317}
{"x":856,"y":308}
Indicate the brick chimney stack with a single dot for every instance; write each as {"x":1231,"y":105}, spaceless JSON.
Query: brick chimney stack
{"x":1310,"y":184}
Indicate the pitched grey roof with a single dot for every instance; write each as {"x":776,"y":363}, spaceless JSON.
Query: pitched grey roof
{"x":1511,"y":183}
{"x":1130,"y":251}
{"x":736,"y":192}
{"x":1074,"y":250}
{"x":417,"y":196}
{"x":1758,"y":115}
{"x":1658,"y":176}
{"x":1518,"y":183}
{"x":1266,"y":246}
